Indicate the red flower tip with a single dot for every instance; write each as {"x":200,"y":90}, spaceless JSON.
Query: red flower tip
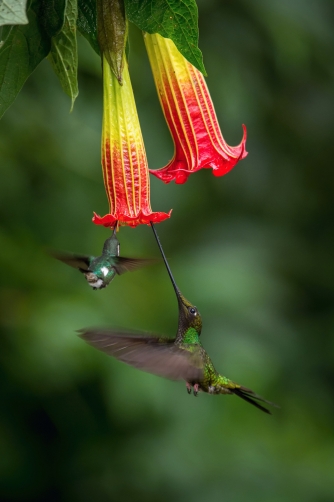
{"x":177,"y":170}
{"x":109,"y":220}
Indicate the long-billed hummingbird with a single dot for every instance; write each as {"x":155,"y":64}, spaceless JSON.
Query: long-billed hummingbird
{"x":99,"y":271}
{"x":179,"y":358}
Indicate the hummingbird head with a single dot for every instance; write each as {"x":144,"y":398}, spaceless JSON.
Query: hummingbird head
{"x":189,"y":316}
{"x":111,"y":245}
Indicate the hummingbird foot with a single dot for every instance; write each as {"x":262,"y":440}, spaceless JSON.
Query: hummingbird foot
{"x":196,"y":389}
{"x":188,"y":385}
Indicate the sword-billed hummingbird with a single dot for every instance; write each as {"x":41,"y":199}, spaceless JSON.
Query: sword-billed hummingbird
{"x":99,"y":271}
{"x":179,"y":358}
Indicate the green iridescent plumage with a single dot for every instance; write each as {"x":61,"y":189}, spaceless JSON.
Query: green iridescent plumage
{"x":179,"y":358}
{"x":99,"y":271}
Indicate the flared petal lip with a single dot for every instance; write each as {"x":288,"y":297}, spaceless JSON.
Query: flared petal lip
{"x":180,"y":175}
{"x":109,"y":220}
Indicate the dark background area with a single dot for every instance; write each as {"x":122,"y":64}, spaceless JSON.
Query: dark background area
{"x":253,"y":250}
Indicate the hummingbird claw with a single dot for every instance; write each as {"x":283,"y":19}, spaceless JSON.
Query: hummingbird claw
{"x":196,"y":389}
{"x":188,"y":385}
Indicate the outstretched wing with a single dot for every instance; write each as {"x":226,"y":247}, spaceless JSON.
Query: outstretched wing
{"x":129,"y":264}
{"x":80,"y":262}
{"x":147,"y":353}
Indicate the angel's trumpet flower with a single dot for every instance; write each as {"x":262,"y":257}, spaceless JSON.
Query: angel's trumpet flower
{"x":124,"y":162}
{"x":190,"y":115}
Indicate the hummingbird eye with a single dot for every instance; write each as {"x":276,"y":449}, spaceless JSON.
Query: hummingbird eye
{"x":193,"y":310}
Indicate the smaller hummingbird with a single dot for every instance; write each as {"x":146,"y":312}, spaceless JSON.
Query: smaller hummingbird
{"x":99,"y":271}
{"x":179,"y":358}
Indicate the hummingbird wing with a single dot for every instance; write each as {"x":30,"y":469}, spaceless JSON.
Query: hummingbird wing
{"x":80,"y":262}
{"x":129,"y":264}
{"x":148,"y":353}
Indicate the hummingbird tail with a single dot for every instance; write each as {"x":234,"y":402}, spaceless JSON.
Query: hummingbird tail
{"x":252,"y":398}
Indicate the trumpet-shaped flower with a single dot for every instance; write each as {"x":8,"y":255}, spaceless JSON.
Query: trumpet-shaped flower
{"x":190,"y":115}
{"x":124,"y":162}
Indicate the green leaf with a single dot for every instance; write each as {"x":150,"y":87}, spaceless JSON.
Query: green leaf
{"x":53,"y":15}
{"x":13,"y":12}
{"x":112,"y":33}
{"x":23,"y":49}
{"x":64,"y":53}
{"x":175,"y":19}
{"x":87,"y":22}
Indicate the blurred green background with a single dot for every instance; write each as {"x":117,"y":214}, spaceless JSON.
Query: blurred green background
{"x":253,"y":250}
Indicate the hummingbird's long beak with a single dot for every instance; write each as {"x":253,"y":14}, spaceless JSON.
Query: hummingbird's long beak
{"x":181,"y":300}
{"x":177,"y":291}
{"x":115,"y":229}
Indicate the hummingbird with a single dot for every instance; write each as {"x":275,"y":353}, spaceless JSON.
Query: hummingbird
{"x":99,"y":271}
{"x":180,"y":358}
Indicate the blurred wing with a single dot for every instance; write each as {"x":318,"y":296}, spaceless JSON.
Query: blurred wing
{"x":148,"y":353}
{"x":130,"y":264}
{"x":80,"y":262}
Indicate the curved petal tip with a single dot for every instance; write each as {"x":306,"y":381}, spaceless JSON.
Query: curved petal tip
{"x":141,"y":219}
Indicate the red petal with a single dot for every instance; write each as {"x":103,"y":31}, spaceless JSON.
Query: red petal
{"x":109,"y":220}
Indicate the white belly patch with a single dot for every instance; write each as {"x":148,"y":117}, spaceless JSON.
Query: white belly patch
{"x":96,"y":284}
{"x":104,"y":271}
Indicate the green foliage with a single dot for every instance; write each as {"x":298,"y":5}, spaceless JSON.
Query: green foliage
{"x":64,"y":55}
{"x":87,"y":22}
{"x":175,"y":19}
{"x":52,"y":14}
{"x":13,"y":12}
{"x":24,"y":48}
